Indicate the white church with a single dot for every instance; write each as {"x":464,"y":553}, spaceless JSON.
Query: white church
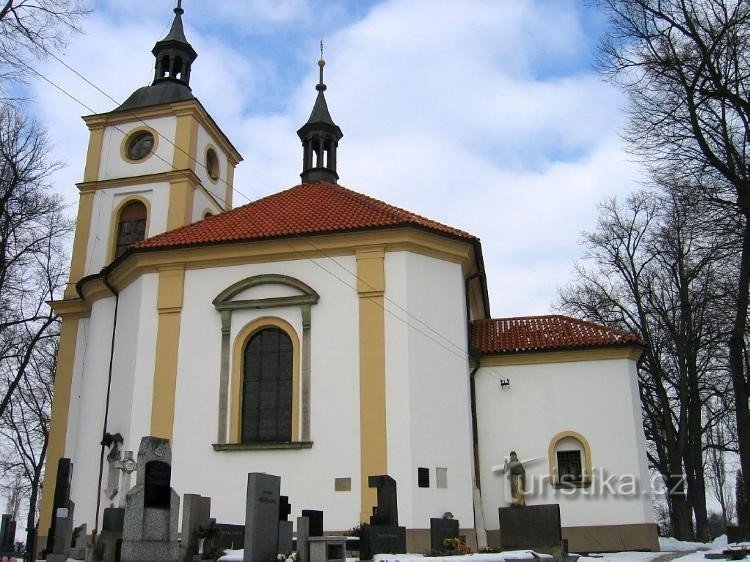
{"x":323,"y":336}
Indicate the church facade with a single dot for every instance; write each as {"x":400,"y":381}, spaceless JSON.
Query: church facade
{"x":323,"y":336}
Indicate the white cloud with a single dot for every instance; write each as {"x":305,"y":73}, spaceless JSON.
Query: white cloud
{"x":457,"y":111}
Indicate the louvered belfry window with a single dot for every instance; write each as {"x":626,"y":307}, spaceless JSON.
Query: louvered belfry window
{"x":267,"y":388}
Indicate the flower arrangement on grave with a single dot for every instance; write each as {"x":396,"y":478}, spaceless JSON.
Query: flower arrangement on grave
{"x":288,"y":557}
{"x":451,"y":547}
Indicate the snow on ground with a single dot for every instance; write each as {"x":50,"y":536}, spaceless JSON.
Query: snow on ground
{"x":669,"y":544}
{"x":622,"y":557}
{"x":483,"y":556}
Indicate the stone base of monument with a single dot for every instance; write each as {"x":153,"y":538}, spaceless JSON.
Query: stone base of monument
{"x":149,"y":551}
{"x":327,"y":549}
{"x":376,"y":539}
{"x":532,"y":527}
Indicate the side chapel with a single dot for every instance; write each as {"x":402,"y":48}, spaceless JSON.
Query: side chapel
{"x":233,"y":333}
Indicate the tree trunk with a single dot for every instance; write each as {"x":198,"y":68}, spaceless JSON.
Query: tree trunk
{"x":737,"y":368}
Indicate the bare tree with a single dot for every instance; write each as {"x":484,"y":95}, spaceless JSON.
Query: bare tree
{"x":686,"y":67}
{"x":30,"y":29}
{"x":651,"y":270}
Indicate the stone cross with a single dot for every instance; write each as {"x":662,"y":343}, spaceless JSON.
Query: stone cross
{"x":127,"y":465}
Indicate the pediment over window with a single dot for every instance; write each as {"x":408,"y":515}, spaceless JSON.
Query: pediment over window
{"x":265,"y":291}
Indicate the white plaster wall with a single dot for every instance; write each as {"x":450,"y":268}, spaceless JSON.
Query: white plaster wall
{"x":202,"y":204}
{"x":267,"y":292}
{"x":429,"y":413}
{"x":217,"y":188}
{"x":113,"y":165}
{"x":307,"y":474}
{"x":597,"y":399}
{"x":85,"y":424}
{"x":106,"y":202}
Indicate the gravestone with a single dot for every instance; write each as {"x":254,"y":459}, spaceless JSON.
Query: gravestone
{"x":63,"y":533}
{"x":262,"y":517}
{"x":7,"y":533}
{"x":61,"y":498}
{"x":316,"y":522}
{"x":78,"y":543}
{"x":327,"y":549}
{"x":152,"y":507}
{"x":285,"y":543}
{"x":196,"y":514}
{"x":303,"y":539}
{"x":383,"y":535}
{"x":441,"y":529}
{"x":110,"y":539}
{"x":228,"y":537}
{"x":530,"y":527}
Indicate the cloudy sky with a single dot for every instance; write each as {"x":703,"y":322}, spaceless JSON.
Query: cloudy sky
{"x":484,"y":115}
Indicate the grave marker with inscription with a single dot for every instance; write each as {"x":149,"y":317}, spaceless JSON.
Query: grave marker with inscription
{"x":262,"y":517}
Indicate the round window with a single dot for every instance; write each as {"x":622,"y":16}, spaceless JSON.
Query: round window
{"x":212,"y":164}
{"x":140,"y":145}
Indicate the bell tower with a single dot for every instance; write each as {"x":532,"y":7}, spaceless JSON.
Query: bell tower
{"x":320,"y":138}
{"x":155,"y":163}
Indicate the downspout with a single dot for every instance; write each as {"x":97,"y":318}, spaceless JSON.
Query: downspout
{"x":479,"y":525}
{"x":106,"y":407}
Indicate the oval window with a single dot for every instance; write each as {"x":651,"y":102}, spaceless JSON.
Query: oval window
{"x":140,"y":145}
{"x":212,"y":164}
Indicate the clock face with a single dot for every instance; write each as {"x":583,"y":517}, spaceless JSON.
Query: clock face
{"x":140,"y":145}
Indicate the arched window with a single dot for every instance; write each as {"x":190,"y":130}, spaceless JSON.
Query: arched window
{"x":131,"y":226}
{"x":570,"y":460}
{"x":267,"y":387}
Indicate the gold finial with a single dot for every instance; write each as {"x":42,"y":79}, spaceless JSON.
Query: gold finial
{"x":321,"y":63}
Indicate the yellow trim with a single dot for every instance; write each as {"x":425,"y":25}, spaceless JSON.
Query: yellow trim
{"x":230,"y":187}
{"x":169,"y":305}
{"x":211,"y":148}
{"x":80,"y":242}
{"x":193,"y":107}
{"x":266,"y":251}
{"x":130,"y":135}
{"x":235,"y":411}
{"x":552,"y":457}
{"x":185,"y":142}
{"x":543,"y":357}
{"x":94,"y":154}
{"x":115,"y":220}
{"x":143,"y":179}
{"x":181,"y":198}
{"x":372,"y":400}
{"x":59,"y":421}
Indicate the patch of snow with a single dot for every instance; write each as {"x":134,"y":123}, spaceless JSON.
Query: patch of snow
{"x":483,"y":556}
{"x":669,"y":544}
{"x":232,"y":556}
{"x":622,"y":557}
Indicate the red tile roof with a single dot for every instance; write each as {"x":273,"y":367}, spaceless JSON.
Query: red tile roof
{"x":544,"y":333}
{"x":309,"y":208}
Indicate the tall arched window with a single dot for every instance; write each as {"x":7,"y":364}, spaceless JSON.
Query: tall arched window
{"x":267,"y":387}
{"x":131,"y":226}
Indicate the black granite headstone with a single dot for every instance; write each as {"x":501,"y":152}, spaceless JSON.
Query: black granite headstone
{"x":386,"y":513}
{"x":61,"y":497}
{"x":441,"y":529}
{"x":157,"y":485}
{"x":113,"y":519}
{"x":285,"y":508}
{"x":316,"y":522}
{"x":377,"y":539}
{"x":530,"y":526}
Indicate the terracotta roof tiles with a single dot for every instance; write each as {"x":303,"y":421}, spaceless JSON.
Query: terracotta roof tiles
{"x":544,"y":333}
{"x":309,"y":208}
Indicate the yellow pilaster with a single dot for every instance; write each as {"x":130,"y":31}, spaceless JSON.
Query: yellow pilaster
{"x":59,"y":422}
{"x":372,"y":403}
{"x":169,"y":305}
{"x":80,"y":242}
{"x":180,"y":203}
{"x":186,"y":142}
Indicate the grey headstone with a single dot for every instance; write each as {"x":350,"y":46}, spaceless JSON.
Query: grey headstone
{"x":109,"y":542}
{"x":441,"y":529}
{"x":386,"y":513}
{"x":196,"y":514}
{"x":327,"y":549}
{"x":530,"y":526}
{"x":152,"y":507}
{"x":262,"y":517}
{"x":380,"y":539}
{"x":286,"y":543}
{"x":78,"y":544}
{"x":63,"y":533}
{"x":303,"y":539}
{"x":315,"y":518}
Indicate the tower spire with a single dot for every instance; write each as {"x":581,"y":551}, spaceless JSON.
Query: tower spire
{"x":174,"y":54}
{"x":320,"y":138}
